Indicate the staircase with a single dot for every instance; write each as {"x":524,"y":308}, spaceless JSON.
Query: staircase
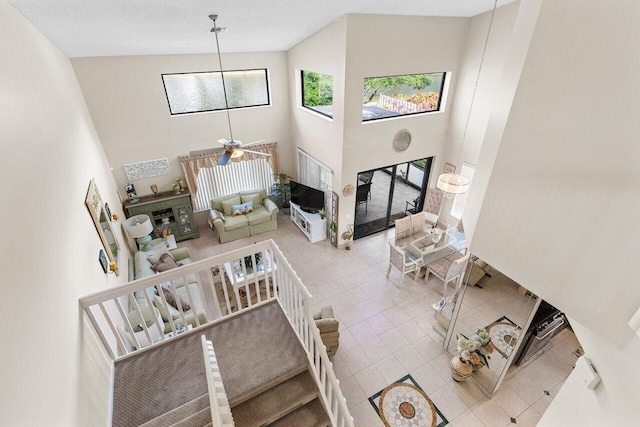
{"x":264,"y":369}
{"x":271,"y":385}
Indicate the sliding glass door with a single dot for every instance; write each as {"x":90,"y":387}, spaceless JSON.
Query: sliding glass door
{"x":388,"y":193}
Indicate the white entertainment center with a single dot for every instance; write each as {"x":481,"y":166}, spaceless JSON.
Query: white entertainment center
{"x":314,"y":227}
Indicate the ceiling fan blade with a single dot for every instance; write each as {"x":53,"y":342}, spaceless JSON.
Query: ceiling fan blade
{"x":248,"y":144}
{"x":225,"y":158}
{"x":223,"y":141}
{"x":256,"y":152}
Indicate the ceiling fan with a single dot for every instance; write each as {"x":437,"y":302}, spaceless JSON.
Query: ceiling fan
{"x":233,"y":148}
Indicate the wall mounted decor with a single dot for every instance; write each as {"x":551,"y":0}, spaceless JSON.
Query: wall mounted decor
{"x":401,"y":140}
{"x":102,"y":222}
{"x":147,"y":169}
{"x":334,"y":217}
{"x":348,"y":190}
{"x":102,"y":258}
{"x":449,"y":168}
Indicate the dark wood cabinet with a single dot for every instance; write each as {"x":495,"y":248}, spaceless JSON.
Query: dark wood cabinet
{"x":176,"y":207}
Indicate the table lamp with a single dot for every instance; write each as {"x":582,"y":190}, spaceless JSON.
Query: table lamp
{"x":139,"y":227}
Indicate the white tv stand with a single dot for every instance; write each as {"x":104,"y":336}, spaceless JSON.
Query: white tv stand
{"x":314,"y":227}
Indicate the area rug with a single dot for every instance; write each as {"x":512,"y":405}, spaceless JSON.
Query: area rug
{"x":504,"y":335}
{"x":404,"y":403}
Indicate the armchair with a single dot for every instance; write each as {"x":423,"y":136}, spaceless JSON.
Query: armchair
{"x":328,"y":326}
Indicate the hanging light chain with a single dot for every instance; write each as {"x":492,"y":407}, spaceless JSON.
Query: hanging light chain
{"x":475,"y":88}
{"x":224,"y":87}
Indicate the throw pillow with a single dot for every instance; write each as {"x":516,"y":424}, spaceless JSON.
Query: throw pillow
{"x":242,"y":209}
{"x":165,"y":263}
{"x":254,"y":198}
{"x":168,"y":295}
{"x":216,"y":215}
{"x":227,"y":204}
{"x":155,"y":257}
{"x":173,"y":312}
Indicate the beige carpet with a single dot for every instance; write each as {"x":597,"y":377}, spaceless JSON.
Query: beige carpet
{"x":253,"y":348}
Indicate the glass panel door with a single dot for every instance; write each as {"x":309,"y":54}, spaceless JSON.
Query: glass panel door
{"x":386,"y":194}
{"x":372,"y":202}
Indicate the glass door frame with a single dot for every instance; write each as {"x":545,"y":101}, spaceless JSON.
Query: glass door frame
{"x":394,"y":176}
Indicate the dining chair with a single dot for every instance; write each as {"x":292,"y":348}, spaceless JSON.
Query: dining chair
{"x":366,"y":177}
{"x":403,"y":231}
{"x":447,"y":271}
{"x":432,"y":205}
{"x":398,"y":259}
{"x":362,"y":195}
{"x":417,"y":225}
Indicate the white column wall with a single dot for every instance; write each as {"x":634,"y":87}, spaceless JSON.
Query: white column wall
{"x":49,"y":151}
{"x":561,"y":210}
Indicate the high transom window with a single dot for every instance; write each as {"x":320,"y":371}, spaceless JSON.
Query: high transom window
{"x":200,"y":92}
{"x":394,"y":96}
{"x":317,"y":92}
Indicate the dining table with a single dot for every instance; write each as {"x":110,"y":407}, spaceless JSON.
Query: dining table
{"x":434,"y":245}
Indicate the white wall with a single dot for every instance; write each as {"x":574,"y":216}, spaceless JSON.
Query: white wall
{"x":616,"y":400}
{"x":321,"y":137}
{"x":129,"y":108}
{"x":562,"y":207}
{"x":350,"y":50}
{"x":424,"y":44}
{"x":49,"y":153}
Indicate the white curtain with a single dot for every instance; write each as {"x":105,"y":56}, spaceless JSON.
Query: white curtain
{"x":315,"y":174}
{"x":219,"y":181}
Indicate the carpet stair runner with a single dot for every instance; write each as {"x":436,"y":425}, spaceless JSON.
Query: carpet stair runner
{"x":264,"y":368}
{"x":184,"y":412}
{"x":296,"y":397}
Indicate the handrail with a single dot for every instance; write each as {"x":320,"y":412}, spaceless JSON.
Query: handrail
{"x":127,"y":318}
{"x":218,"y":401}
{"x":295,"y":300}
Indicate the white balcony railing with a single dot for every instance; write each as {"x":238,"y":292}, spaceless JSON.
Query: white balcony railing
{"x":128,"y":318}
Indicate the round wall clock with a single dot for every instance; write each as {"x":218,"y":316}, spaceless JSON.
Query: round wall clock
{"x":401,"y":140}
{"x":348,"y":190}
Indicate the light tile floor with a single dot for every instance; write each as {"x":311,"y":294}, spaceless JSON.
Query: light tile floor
{"x":386,"y":332}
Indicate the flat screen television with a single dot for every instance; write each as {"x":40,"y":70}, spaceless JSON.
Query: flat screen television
{"x":309,"y":199}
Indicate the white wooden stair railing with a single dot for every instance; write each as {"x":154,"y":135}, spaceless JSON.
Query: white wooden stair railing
{"x":110,"y":311}
{"x":218,"y":401}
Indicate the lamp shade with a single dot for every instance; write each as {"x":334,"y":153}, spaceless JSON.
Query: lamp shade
{"x":453,"y":183}
{"x":138,"y":226}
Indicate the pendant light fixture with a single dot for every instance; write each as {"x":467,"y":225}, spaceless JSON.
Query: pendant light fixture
{"x":215,"y":30}
{"x":455,"y":183}
{"x":234,"y":149}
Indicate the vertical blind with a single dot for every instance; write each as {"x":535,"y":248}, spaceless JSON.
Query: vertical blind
{"x":315,"y":174}
{"x":218,"y":181}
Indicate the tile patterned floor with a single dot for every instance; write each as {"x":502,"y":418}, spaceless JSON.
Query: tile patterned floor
{"x":386,"y":332}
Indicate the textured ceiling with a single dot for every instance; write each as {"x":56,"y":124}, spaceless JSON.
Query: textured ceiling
{"x":148,"y":27}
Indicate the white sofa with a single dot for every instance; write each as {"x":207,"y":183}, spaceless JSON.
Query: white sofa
{"x":142,"y":263}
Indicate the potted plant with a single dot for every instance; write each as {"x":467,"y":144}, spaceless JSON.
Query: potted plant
{"x":282,"y":190}
{"x":322,"y":213}
{"x":333,"y":227}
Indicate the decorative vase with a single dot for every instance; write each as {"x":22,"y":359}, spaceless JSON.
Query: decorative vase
{"x":460,"y":370}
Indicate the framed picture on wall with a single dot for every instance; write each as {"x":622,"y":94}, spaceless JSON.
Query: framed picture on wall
{"x":449,"y":168}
